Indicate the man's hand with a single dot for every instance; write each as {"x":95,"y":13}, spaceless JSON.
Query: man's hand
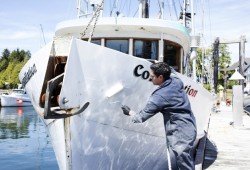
{"x":126,"y":110}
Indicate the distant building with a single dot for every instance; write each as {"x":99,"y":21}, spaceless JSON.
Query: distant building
{"x":246,"y":71}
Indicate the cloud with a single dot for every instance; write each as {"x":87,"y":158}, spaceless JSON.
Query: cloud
{"x":27,"y":37}
{"x":17,"y":31}
{"x":18,"y":35}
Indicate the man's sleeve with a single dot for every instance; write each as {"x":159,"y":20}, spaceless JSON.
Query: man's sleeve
{"x":151,"y":108}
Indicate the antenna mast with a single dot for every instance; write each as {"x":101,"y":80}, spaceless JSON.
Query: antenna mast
{"x":42,"y":33}
{"x":143,"y":9}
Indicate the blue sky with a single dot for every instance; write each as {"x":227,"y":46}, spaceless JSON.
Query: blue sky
{"x":20,"y":22}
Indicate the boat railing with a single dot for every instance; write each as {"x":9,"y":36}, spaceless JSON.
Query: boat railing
{"x":5,"y":91}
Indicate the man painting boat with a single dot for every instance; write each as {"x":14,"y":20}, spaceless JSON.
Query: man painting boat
{"x":171,"y":100}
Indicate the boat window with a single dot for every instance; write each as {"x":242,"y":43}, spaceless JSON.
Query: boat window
{"x":172,"y":54}
{"x":97,"y":41}
{"x":147,"y":49}
{"x":94,"y":41}
{"x":119,"y":45}
{"x":18,"y":91}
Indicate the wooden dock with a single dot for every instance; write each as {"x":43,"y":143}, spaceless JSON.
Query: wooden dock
{"x":232,"y":143}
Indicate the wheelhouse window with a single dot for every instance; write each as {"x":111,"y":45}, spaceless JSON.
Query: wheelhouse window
{"x":97,"y":41}
{"x":94,"y":41}
{"x":172,"y":54}
{"x":147,"y":49}
{"x":119,"y":45}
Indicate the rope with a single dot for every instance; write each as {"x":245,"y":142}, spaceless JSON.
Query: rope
{"x":95,"y":16}
{"x":175,"y":10}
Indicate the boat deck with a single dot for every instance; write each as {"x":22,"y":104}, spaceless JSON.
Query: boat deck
{"x":233,"y":144}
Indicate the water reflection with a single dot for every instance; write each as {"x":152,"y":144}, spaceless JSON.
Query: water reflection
{"x":12,"y":124}
{"x":24,"y":141}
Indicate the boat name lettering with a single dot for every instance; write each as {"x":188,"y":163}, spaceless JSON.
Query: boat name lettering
{"x":138,"y":71}
{"x":27,"y":75}
{"x":190,"y":91}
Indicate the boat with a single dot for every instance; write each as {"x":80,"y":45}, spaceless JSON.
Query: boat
{"x":17,"y":98}
{"x":94,"y":64}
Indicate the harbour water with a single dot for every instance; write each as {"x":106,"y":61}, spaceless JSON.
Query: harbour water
{"x":24,"y":141}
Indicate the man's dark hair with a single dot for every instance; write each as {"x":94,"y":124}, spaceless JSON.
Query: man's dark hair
{"x":161,"y":68}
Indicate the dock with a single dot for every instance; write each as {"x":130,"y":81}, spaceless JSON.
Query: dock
{"x":232,"y":144}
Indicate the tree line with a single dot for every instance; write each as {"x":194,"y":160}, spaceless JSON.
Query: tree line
{"x":11,"y":62}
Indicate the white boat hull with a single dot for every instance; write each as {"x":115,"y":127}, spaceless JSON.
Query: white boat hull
{"x":102,"y":137}
{"x":15,"y":101}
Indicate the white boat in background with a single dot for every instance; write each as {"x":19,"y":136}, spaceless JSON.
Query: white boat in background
{"x":18,"y":97}
{"x":78,"y":86}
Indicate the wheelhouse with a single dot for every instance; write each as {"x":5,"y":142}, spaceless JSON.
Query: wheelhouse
{"x":145,"y":48}
{"x":151,"y":39}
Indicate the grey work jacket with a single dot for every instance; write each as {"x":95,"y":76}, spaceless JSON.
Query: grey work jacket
{"x":172,"y":101}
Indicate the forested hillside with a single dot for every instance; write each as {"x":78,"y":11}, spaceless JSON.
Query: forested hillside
{"x":11,"y":62}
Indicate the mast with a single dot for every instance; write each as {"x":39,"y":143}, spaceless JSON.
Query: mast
{"x":88,"y":3}
{"x":143,"y":9}
{"x":195,"y":40}
{"x":184,"y":12}
{"x":194,"y":49}
{"x":78,"y":7}
{"x":162,"y":9}
{"x":42,"y":35}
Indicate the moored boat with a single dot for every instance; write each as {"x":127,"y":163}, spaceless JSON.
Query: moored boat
{"x":77,"y":85}
{"x":17,"y":97}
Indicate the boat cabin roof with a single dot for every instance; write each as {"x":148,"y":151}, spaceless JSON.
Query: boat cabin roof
{"x":123,"y":27}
